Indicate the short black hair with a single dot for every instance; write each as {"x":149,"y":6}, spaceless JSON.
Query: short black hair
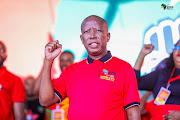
{"x":68,"y":51}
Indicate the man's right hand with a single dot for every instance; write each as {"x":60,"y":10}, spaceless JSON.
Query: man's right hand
{"x":52,"y":50}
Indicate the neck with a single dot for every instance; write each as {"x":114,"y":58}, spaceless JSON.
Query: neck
{"x":31,"y":98}
{"x":1,"y":66}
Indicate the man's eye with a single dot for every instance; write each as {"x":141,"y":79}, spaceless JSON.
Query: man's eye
{"x":99,"y":30}
{"x":2,"y":50}
{"x":86,"y":31}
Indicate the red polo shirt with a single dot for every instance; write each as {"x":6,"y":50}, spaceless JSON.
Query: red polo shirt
{"x":98,"y":89}
{"x":11,"y":91}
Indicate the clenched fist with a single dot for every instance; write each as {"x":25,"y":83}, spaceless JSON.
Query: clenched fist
{"x":52,"y":50}
{"x":147,"y":49}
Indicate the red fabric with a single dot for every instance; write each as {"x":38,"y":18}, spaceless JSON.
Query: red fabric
{"x":12,"y":90}
{"x":145,"y":117}
{"x":148,"y":107}
{"x":93,"y":98}
{"x":159,"y":111}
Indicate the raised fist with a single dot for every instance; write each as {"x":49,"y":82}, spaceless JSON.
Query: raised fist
{"x":52,"y":50}
{"x":147,"y":49}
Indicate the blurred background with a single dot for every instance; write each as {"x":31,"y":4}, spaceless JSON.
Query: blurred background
{"x":26,"y":26}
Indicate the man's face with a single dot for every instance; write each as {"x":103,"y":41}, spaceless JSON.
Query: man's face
{"x":3,"y":54}
{"x":66,"y":59}
{"x":28,"y":85}
{"x":95,"y":37}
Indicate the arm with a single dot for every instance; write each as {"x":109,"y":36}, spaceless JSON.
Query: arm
{"x":37,"y":84}
{"x":145,"y":50}
{"x":145,"y":82}
{"x":47,"y":96}
{"x":143,"y":102}
{"x":18,"y":110}
{"x":133,"y":113}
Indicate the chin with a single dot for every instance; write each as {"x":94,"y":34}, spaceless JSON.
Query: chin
{"x":178,"y":60}
{"x":94,"y":53}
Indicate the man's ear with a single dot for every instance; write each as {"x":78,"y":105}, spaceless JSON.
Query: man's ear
{"x":81,"y":38}
{"x":108,"y":37}
{"x":5,"y":57}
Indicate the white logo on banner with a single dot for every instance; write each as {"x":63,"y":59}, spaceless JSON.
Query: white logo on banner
{"x":156,"y":56}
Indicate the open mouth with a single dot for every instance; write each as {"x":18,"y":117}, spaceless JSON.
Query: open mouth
{"x":94,"y":44}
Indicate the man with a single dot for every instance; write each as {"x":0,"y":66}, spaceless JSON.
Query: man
{"x":12,"y":94}
{"x":100,"y":87}
{"x":32,"y":105}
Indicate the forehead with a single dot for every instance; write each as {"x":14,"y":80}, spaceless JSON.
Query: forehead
{"x":92,"y":22}
{"x":29,"y":81}
{"x":66,"y":55}
{"x":2,"y":46}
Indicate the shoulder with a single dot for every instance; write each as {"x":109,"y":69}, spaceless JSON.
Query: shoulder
{"x":76,"y":65}
{"x":12,"y":76}
{"x":165,"y":70}
{"x":120,"y":62}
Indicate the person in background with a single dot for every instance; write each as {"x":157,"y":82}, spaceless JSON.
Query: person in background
{"x":98,"y":87}
{"x":146,"y":107}
{"x":12,"y":94}
{"x":65,"y":59}
{"x":33,"y":109}
{"x":164,"y":84}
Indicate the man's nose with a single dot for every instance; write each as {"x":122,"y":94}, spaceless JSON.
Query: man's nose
{"x":93,"y":34}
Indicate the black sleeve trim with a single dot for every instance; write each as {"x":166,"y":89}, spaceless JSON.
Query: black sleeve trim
{"x":131,"y":105}
{"x":59,"y":95}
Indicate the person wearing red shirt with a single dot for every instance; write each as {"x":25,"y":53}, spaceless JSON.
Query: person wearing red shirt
{"x":12,"y":94}
{"x":99,"y":87}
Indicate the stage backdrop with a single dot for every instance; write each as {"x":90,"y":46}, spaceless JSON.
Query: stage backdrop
{"x":26,"y":25}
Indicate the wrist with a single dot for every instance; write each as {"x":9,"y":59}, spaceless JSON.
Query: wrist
{"x":142,"y":55}
{"x":48,"y":62}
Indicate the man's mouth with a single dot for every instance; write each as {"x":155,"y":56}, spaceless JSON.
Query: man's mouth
{"x":94,"y":44}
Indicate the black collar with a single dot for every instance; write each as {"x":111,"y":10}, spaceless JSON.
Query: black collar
{"x":104,"y":59}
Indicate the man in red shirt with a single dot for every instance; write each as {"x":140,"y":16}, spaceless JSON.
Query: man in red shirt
{"x":100,"y":87}
{"x":12,"y":94}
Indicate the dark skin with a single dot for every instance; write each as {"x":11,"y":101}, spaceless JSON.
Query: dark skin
{"x":65,"y":60}
{"x":3,"y":54}
{"x":94,"y":37}
{"x":18,"y":107}
{"x":29,"y":86}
